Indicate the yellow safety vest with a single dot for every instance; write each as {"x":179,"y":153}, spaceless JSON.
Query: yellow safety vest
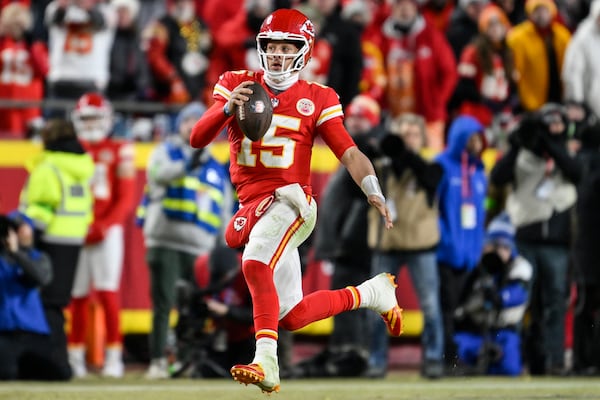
{"x":68,"y":221}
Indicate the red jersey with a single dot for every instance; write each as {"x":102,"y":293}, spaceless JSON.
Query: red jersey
{"x":494,"y":87}
{"x":113,"y":182}
{"x":300,"y":114}
{"x":22,"y":75}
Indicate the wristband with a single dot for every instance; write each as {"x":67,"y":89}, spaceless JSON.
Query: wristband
{"x":370,"y":186}
{"x":226,"y":110}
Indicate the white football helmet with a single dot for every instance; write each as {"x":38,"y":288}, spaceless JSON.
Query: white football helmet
{"x":92,"y":117}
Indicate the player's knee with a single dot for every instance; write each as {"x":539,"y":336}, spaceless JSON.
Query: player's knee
{"x":252,"y":271}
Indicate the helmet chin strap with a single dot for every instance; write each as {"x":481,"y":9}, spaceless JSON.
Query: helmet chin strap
{"x":282,"y":82}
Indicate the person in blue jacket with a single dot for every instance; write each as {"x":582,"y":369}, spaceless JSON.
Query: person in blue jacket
{"x":493,"y":303}
{"x":461,"y":196}
{"x":25,"y":347}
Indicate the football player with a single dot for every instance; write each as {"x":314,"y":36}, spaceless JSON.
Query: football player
{"x":272,"y":178}
{"x":101,"y":259}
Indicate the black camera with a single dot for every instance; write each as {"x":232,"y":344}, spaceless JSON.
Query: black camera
{"x":193,"y":312}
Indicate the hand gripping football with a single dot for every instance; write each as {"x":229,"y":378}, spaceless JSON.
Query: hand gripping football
{"x":254,"y":117}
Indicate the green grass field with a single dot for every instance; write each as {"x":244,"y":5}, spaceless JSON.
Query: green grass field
{"x":395,"y":387}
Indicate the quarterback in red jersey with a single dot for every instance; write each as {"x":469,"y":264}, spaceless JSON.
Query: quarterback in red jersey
{"x":101,"y":259}
{"x":272,"y":177}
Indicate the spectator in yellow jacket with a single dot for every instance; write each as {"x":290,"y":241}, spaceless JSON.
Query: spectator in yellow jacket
{"x":538,"y":45}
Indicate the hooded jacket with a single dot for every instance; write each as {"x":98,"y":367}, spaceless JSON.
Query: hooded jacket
{"x":461,"y":196}
{"x":57,"y":195}
{"x":20,"y":303}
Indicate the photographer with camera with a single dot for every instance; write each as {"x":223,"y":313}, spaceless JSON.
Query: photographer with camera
{"x":409,"y":183}
{"x":488,"y":321}
{"x":25,"y":345}
{"x":215,"y":327}
{"x":187,"y":198}
{"x":543,"y":176}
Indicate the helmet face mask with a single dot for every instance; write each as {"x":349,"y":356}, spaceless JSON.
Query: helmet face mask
{"x":289,"y":26}
{"x":92,"y":117}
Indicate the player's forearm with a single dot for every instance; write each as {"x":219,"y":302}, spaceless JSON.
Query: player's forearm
{"x":361,"y":169}
{"x":357,"y":164}
{"x":208,"y":127}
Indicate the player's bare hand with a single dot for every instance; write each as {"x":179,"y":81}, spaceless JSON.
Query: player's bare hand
{"x":379,"y":204}
{"x":239,"y":96}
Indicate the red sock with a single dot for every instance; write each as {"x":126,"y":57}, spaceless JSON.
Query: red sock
{"x":265,"y":302}
{"x":320,"y":305}
{"x":111,"y":305}
{"x":79,"y":320}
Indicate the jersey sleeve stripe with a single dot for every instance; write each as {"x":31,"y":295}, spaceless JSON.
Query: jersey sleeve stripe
{"x":222,"y":91}
{"x":330,"y":113}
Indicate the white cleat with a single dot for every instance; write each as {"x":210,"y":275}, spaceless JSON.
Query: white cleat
{"x":379,"y":294}
{"x":263,"y":373}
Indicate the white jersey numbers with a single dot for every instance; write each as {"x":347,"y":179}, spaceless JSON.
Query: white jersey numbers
{"x":273,"y":151}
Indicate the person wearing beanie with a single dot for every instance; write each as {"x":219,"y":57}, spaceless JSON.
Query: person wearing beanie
{"x":493,"y":303}
{"x":538,"y":46}
{"x":486,"y":85}
{"x":362,"y":115}
{"x":187,"y":198}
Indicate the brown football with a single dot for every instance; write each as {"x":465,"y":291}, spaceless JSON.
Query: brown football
{"x":254,"y":117}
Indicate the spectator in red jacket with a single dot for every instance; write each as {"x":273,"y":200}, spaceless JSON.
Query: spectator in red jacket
{"x":486,"y":70}
{"x":217,"y":12}
{"x":235,"y":41}
{"x":421,"y":68}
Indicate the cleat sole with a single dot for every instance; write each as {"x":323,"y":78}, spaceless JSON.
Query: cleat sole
{"x":252,"y":374}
